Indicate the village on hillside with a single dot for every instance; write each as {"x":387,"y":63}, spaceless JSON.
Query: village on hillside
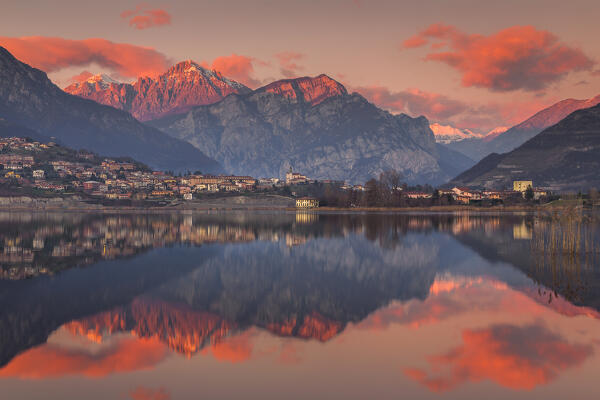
{"x":29,"y":167}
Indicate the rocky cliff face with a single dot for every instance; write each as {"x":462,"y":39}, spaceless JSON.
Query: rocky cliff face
{"x":28,"y":99}
{"x":183,"y":86}
{"x":519,"y":134}
{"x":565,"y":156}
{"x":315,"y":126}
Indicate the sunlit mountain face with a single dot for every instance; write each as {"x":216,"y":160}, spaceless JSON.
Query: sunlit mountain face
{"x":337,"y":305}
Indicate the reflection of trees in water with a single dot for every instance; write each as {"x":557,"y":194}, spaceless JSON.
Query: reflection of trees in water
{"x":565,"y":244}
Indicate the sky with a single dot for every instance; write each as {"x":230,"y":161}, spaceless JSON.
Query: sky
{"x":471,"y":64}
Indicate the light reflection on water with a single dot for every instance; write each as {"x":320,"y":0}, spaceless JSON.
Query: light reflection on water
{"x":290,"y":305}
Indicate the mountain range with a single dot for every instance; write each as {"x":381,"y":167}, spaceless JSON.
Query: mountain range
{"x":565,"y":156}
{"x":181,"y":87}
{"x":30,"y":104}
{"x":447,"y":134}
{"x":315,"y":126}
{"x":311,"y":124}
{"x":196,"y":119}
{"x":477,"y":148}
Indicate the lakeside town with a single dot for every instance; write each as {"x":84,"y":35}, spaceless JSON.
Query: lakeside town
{"x":33,"y":168}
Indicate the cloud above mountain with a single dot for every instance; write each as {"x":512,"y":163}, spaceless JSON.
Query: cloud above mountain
{"x":237,"y":67}
{"x":444,"y":109}
{"x":144,"y":17}
{"x":413,"y":101}
{"x":52,"y":54}
{"x":81,"y":77}
{"x":518,"y":57}
{"x":289,"y":62}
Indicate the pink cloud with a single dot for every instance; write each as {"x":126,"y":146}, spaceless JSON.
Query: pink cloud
{"x":444,"y":109}
{"x":142,"y":17}
{"x":48,"y":361}
{"x":511,"y":356}
{"x":234,"y":349}
{"x":52,"y":54}
{"x":414,"y":102}
{"x":237,"y":67}
{"x":289,"y":65}
{"x":81,"y":77}
{"x":415,"y":41}
{"x":518,"y":57}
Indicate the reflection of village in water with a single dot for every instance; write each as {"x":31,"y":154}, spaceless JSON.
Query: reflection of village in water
{"x":45,"y":243}
{"x":37,"y":244}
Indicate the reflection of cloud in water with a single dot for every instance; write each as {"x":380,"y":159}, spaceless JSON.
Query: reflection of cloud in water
{"x":124,"y":355}
{"x":517,"y":357}
{"x":450,"y":296}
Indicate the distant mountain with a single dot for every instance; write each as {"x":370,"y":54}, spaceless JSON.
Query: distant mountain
{"x":30,"y":101}
{"x":183,"y":86}
{"x":494,"y":133}
{"x":519,"y":134}
{"x":447,"y":133}
{"x":315,"y":126}
{"x":565,"y":156}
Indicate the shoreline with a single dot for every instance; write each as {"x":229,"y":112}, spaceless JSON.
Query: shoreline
{"x":226,"y":208}
{"x":262,"y":202}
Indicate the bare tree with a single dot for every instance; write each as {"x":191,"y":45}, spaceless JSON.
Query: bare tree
{"x":391,"y":179}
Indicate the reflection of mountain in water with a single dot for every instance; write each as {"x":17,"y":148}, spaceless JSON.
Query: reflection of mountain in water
{"x":307,"y":291}
{"x":31,"y":309}
{"x":306,"y":278}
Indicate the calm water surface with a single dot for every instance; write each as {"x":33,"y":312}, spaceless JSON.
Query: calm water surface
{"x":294,"y":306}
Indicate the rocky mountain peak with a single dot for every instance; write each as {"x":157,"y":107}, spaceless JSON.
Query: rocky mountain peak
{"x":101,"y":78}
{"x":188,"y":67}
{"x":311,"y":90}
{"x":93,"y":83}
{"x":181,"y":87}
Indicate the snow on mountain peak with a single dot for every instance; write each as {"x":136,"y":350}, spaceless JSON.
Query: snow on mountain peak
{"x":102,"y":80}
{"x":495,"y":132}
{"x":449,"y":133}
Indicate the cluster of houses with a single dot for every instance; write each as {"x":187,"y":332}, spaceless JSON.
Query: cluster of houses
{"x":142,"y":185}
{"x":466,"y":195}
{"x":22,"y":164}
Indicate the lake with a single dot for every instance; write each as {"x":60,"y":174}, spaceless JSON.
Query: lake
{"x":300,"y":305}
